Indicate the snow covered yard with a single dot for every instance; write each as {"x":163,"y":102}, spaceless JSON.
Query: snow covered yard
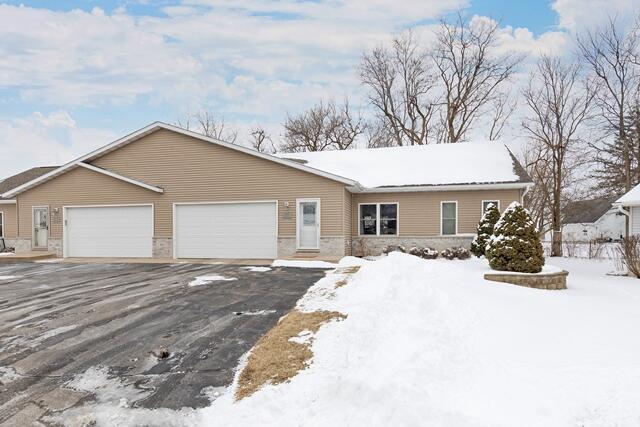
{"x":432,"y":342}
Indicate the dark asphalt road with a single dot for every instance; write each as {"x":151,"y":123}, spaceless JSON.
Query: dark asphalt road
{"x":58,"y":320}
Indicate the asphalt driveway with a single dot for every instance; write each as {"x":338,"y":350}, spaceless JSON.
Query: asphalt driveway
{"x":58,"y":321}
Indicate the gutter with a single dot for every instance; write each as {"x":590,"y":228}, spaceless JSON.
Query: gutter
{"x":433,"y":188}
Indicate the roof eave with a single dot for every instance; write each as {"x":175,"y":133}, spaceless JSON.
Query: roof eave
{"x":446,"y":187}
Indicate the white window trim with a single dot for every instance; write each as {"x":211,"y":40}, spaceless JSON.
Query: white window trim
{"x":441,"y":217}
{"x":33,"y":235}
{"x":2,"y":224}
{"x":298,"y":218}
{"x":497,"y":202}
{"x":377,"y":205}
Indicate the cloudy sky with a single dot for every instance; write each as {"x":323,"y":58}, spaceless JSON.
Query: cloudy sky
{"x":79,"y":74}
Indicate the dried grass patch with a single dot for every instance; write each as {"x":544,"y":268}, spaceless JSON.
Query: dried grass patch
{"x":348,"y":270}
{"x":341,"y":283}
{"x":275,"y":359}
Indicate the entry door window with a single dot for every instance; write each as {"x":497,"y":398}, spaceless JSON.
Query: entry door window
{"x":40,"y":227}
{"x":308,"y":224}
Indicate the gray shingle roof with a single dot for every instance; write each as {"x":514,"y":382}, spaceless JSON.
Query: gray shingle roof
{"x":586,"y":211}
{"x":23,"y":177}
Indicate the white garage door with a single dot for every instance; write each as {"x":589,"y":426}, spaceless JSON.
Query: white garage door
{"x":109,"y":231}
{"x":226,"y":230}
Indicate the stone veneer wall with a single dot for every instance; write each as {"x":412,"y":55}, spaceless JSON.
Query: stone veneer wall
{"x":10,"y":243}
{"x":22,"y":245}
{"x":329,"y":246}
{"x":552,"y":281}
{"x":162,"y":247}
{"x":373,"y":246}
{"x":55,"y":246}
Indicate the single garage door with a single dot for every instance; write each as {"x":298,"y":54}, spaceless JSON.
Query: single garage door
{"x":109,"y":231}
{"x":226,"y":230}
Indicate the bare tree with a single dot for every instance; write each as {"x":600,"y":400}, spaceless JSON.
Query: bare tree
{"x":558,"y":106}
{"x":325,"y":126}
{"x":401,"y":81}
{"x":502,"y":109}
{"x":471,"y":71}
{"x":261,"y":140}
{"x":210,"y":125}
{"x":611,"y":55}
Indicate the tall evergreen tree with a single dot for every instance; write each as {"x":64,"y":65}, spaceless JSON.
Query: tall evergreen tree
{"x":485,"y":230}
{"x":515,"y":244}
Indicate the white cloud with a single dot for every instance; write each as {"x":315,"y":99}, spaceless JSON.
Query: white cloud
{"x":579,"y":14}
{"x":247,"y":60}
{"x":45,"y":140}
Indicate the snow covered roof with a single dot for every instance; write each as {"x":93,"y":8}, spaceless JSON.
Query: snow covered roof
{"x":420,"y":165}
{"x":631,"y":198}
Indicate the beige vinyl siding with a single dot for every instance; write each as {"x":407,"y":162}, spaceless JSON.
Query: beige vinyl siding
{"x":347,"y":221}
{"x":78,"y":187}
{"x":419,"y":213}
{"x":10,"y":221}
{"x":189,"y":170}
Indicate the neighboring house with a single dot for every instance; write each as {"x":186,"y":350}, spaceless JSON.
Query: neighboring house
{"x":8,"y":211}
{"x":165,"y":192}
{"x":586,"y":220}
{"x":629,"y":204}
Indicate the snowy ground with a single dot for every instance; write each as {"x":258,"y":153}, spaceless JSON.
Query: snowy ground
{"x":432,"y":343}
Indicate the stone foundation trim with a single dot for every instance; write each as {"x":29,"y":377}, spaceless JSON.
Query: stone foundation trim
{"x":373,"y":245}
{"x":550,"y":281}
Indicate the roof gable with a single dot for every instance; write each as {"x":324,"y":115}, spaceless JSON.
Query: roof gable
{"x":115,"y":145}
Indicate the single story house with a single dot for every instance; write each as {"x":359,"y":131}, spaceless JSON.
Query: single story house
{"x":629,"y":204}
{"x":166,"y":192}
{"x":586,"y":220}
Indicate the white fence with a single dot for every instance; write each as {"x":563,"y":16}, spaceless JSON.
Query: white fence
{"x":588,"y":250}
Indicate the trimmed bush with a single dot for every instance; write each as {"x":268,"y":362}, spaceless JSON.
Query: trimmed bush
{"x":515,"y":243}
{"x":415,"y":251}
{"x":429,"y":253}
{"x":462,"y":253}
{"x":485,"y":230}
{"x":393,"y":248}
{"x":455,"y":253}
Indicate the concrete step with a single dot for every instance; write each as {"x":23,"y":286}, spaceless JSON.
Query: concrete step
{"x":26,"y":256}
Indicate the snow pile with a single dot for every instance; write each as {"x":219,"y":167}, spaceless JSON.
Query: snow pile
{"x":9,"y":277}
{"x":111,"y":404}
{"x":425,"y":343}
{"x":205,"y":280}
{"x":437,"y":164}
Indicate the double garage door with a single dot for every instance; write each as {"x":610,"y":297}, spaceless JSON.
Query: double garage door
{"x":225,"y":230}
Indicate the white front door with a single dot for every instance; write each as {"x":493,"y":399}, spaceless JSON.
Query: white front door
{"x":308,"y":220}
{"x":40,"y":227}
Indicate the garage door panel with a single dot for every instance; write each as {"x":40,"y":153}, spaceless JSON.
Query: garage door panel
{"x":229,"y":230}
{"x":114,"y":231}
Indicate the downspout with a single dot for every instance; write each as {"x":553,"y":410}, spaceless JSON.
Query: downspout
{"x":627,"y":222}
